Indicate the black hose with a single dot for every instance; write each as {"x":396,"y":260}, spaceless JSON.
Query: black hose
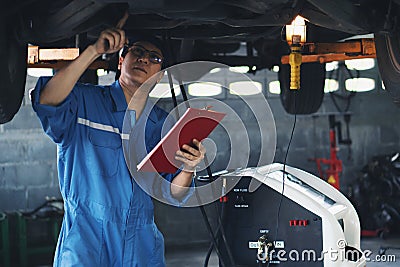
{"x":211,"y":248}
{"x":210,"y":231}
{"x":207,"y":259}
{"x":284,"y":173}
{"x":220,"y":230}
{"x":203,"y":212}
{"x":205,"y":217}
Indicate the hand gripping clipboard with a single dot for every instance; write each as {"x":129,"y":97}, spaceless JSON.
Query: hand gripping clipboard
{"x":194,"y":124}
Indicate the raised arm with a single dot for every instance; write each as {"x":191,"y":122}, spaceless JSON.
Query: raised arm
{"x":62,"y":83}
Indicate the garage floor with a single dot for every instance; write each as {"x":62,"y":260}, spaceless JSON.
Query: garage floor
{"x":194,"y":257}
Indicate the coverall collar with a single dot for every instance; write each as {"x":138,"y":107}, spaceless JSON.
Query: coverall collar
{"x":120,"y":104}
{"x":149,"y":111}
{"x":118,"y":97}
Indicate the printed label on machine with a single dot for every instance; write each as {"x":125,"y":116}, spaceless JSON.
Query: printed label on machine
{"x":253,"y":244}
{"x":240,"y":190}
{"x":279,"y":244}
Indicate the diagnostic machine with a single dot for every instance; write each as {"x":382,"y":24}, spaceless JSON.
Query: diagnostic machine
{"x":292,"y":219}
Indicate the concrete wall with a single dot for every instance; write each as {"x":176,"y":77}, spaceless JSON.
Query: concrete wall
{"x":28,"y":171}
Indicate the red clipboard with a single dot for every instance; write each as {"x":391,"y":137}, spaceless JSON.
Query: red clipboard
{"x":194,"y":124}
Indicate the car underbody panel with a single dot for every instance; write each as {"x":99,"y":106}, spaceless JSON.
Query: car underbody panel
{"x":204,"y":30}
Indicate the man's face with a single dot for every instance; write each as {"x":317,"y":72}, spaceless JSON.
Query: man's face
{"x":136,"y":68}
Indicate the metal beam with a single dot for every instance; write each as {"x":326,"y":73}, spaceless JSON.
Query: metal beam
{"x":56,"y":58}
{"x":328,"y":52}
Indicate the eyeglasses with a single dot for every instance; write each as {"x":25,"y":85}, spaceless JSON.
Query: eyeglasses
{"x":139,"y":51}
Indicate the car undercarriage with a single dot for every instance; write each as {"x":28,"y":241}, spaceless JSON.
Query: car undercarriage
{"x":197,"y":30}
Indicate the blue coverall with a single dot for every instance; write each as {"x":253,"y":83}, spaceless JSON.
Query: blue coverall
{"x":108,"y":219}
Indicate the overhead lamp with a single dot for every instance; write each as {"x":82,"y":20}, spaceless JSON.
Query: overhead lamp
{"x":295,"y":37}
{"x":296,"y":32}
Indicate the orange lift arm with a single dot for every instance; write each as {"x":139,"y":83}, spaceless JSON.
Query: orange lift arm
{"x":328,"y":52}
{"x":57,"y":58}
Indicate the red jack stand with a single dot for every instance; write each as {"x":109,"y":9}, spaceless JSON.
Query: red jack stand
{"x":331,"y":174}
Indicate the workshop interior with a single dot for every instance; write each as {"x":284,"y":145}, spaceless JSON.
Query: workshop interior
{"x":305,"y":167}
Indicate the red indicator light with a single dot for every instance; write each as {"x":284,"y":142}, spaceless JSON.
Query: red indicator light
{"x":298,"y":222}
{"x":223,"y":199}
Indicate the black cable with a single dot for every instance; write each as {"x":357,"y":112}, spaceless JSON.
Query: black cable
{"x":284,"y":172}
{"x":344,"y":97}
{"x":228,"y":249}
{"x":220,"y":231}
{"x":184,"y":95}
{"x":203,"y":212}
{"x":347,"y":98}
{"x":220,"y":214}
{"x":210,"y":231}
{"x":220,"y":223}
{"x":205,"y":217}
{"x":172,"y":89}
{"x":214,"y":239}
{"x":209,"y":251}
{"x":211,"y":248}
